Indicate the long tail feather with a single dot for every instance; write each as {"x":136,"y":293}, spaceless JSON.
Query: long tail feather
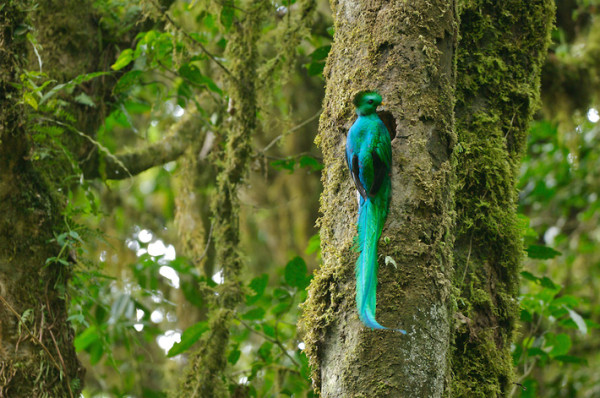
{"x":371,"y":217}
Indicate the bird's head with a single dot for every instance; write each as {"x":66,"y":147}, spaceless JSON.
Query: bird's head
{"x":366,"y":102}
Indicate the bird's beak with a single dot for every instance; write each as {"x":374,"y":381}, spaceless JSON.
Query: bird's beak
{"x":382,"y":103}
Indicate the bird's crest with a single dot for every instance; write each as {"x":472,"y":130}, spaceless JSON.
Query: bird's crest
{"x":366,"y":102}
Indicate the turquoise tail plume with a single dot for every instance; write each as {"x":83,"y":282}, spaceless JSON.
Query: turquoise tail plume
{"x":371,"y":217}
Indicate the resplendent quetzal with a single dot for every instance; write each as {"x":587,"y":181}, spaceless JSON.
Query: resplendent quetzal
{"x":369,"y":158}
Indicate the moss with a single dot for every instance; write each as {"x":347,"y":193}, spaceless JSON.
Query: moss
{"x":205,"y":374}
{"x":500,"y":55}
{"x":31,"y":211}
{"x":480,"y":378}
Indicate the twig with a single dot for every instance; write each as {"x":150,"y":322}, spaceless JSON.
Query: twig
{"x":276,"y":342}
{"x":62,"y":361}
{"x":187,"y":35}
{"x":93,"y":141}
{"x":304,"y":123}
{"x":467,"y":262}
{"x":31,"y":333}
{"x":207,"y":243}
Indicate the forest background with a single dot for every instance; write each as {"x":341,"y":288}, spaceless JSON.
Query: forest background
{"x":145,"y":144}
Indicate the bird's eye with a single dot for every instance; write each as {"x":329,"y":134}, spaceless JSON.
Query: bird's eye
{"x":370,"y":101}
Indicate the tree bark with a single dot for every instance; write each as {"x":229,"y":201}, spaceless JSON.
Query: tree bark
{"x":404,"y":50}
{"x":499,"y":59}
{"x":37,"y":356}
{"x":407,"y":53}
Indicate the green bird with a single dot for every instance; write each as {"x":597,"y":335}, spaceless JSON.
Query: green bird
{"x":369,"y":158}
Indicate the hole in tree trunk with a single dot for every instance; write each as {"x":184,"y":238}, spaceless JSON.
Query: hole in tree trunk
{"x":389,"y":121}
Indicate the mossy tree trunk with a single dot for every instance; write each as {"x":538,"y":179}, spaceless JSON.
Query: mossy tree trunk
{"x":460,"y":323}
{"x":37,"y":356}
{"x":405,"y":51}
{"x":502,"y":48}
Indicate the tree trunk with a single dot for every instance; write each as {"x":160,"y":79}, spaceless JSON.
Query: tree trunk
{"x":499,"y":59}
{"x":404,"y":50}
{"x":37,"y":357}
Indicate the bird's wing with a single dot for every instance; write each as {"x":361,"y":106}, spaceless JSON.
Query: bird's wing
{"x":382,"y":158}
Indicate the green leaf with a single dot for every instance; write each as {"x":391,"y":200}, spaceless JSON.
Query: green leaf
{"x":571,"y":359}
{"x":188,"y":338}
{"x":124,"y":59}
{"x":516,"y":354}
{"x":536,"y":352}
{"x":578,"y":319}
{"x":191,"y":73}
{"x":85,"y":99}
{"x":566,"y":300}
{"x":281,"y":307}
{"x":70,"y":84}
{"x":316,"y":68}
{"x":259,"y":285}
{"x":295,"y":273}
{"x":526,"y":316}
{"x":234,"y":356}
{"x":254,"y":314}
{"x":21,"y":30}
{"x":29,"y":99}
{"x":284,"y":164}
{"x":85,"y":339}
{"x":190,"y":291}
{"x":314,"y":245}
{"x":96,"y":351}
{"x":127,"y":81}
{"x":265,"y":351}
{"x":311,"y":163}
{"x":548,"y":283}
{"x":227,"y":16}
{"x":541,"y":252}
{"x":529,"y":276}
{"x":320,"y":53}
{"x":268,"y":329}
{"x":561,"y":344}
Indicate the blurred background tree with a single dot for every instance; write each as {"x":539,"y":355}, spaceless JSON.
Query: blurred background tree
{"x":134,"y":156}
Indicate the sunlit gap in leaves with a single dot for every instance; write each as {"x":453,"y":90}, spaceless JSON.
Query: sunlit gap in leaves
{"x":218,"y":278}
{"x":174,"y":109}
{"x":164,"y":254}
{"x":593,"y":115}
{"x":167,"y":340}
{"x":156,"y":248}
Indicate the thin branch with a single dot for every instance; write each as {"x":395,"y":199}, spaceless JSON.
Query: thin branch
{"x":125,"y":165}
{"x":187,"y":35}
{"x":93,"y":141}
{"x":62,"y":361}
{"x":34,"y":337}
{"x":290,"y":131}
{"x":467,"y":262}
{"x":207,"y":243}
{"x":274,"y":341}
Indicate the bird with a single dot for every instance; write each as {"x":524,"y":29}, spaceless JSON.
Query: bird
{"x":369,"y":158}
